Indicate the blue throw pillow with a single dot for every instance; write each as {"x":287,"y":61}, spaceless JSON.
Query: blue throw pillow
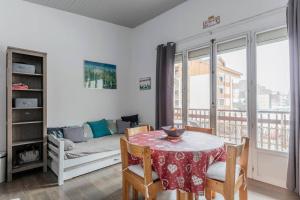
{"x":99,"y":128}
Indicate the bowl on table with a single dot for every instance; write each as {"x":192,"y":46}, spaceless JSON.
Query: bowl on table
{"x":172,"y":132}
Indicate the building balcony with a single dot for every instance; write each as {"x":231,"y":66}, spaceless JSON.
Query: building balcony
{"x":272,"y":126}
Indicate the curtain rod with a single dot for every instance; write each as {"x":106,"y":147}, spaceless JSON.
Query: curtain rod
{"x":227,"y":26}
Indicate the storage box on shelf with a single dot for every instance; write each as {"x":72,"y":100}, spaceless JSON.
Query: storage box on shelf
{"x":23,"y":68}
{"x":26,"y":103}
{"x":26,"y":109}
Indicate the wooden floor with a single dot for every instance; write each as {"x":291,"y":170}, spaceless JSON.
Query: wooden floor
{"x":104,"y":184}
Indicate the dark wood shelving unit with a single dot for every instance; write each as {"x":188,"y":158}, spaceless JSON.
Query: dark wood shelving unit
{"x":29,"y":122}
{"x":27,"y":108}
{"x":27,"y":166}
{"x":26,"y":127}
{"x":20,"y":143}
{"x":24,"y":74}
{"x":29,"y":90}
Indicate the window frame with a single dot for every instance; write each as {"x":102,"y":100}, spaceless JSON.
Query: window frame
{"x":251,"y":81}
{"x":254,"y":59}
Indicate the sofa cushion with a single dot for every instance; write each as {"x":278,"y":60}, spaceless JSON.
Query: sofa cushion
{"x":138,"y":170}
{"x":121,"y":126}
{"x":68,"y":144}
{"x":57,"y":132}
{"x":112,"y":126}
{"x":88,"y":133}
{"x":75,"y":134}
{"x":99,"y":128}
{"x":133,"y":119}
{"x":95,"y":145}
{"x":217,"y":171}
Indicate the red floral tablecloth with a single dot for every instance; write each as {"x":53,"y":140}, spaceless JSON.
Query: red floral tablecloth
{"x":181,"y":164}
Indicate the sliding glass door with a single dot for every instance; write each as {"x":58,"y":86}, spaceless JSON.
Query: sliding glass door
{"x":270,"y":141}
{"x":273,"y":90}
{"x":231,"y":89}
{"x":240,"y":87}
{"x":217,"y":100}
{"x":178,"y":91}
{"x":198,"y":93}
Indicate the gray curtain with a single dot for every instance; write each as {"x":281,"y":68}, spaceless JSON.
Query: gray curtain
{"x":165,"y":84}
{"x":293,"y":22}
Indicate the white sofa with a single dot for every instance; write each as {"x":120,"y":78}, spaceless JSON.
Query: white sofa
{"x":84,"y":158}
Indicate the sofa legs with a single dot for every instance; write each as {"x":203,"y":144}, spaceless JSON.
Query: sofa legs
{"x":60,"y":181}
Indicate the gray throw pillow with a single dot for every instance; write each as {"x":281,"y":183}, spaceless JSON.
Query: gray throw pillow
{"x":68,"y":145}
{"x":121,"y":126}
{"x":75,"y":134}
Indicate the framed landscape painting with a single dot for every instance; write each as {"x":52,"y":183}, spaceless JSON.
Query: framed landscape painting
{"x":99,"y":75}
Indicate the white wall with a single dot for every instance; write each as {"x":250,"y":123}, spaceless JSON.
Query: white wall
{"x":181,"y":22}
{"x":183,"y":25}
{"x":68,"y":39}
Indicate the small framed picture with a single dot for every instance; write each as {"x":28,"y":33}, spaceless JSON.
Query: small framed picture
{"x":145,"y":83}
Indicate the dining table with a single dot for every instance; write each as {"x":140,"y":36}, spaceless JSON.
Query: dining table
{"x":181,"y":163}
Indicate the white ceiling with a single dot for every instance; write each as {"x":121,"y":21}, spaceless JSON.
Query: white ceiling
{"x":130,"y":13}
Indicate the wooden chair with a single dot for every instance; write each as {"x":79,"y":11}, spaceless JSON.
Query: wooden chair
{"x":150,"y":128}
{"x":199,"y":129}
{"x":133,"y":131}
{"x":228,"y":177}
{"x":202,"y":130}
{"x":143,"y":180}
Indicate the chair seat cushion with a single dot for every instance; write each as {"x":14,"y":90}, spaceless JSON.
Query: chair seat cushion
{"x":217,"y":171}
{"x":138,"y":170}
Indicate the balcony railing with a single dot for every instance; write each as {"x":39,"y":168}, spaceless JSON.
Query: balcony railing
{"x":272,"y":126}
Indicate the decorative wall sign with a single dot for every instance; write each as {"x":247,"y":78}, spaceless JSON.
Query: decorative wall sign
{"x":145,"y":83}
{"x":99,"y":75}
{"x":211,"y":21}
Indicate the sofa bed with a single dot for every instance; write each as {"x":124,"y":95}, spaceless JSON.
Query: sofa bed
{"x":74,"y":151}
